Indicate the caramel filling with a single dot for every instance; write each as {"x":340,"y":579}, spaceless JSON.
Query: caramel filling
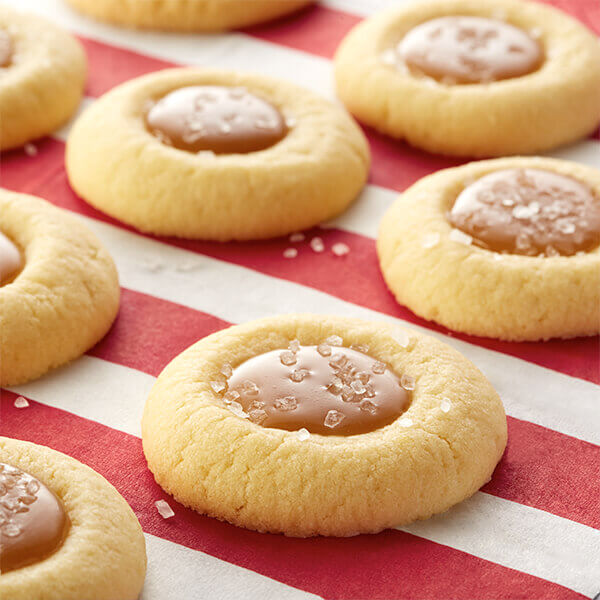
{"x":10,"y":260}
{"x":529,"y":211}
{"x":6,"y":48}
{"x":223,"y":120}
{"x":33,"y":522}
{"x":465,"y":49}
{"x":325,"y":389}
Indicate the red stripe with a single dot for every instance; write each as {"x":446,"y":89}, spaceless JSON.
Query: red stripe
{"x":355,"y":277}
{"x":392,"y":564}
{"x":540,"y":468}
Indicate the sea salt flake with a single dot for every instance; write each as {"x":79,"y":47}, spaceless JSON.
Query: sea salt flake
{"x":287,"y":358}
{"x":238,"y":410}
{"x":217,"y":386}
{"x":526,"y":212}
{"x":334,"y":340}
{"x":340,"y":249}
{"x":290,"y":253}
{"x":456,"y":235}
{"x":445,"y":405}
{"x":430,"y":240}
{"x":294,"y":346}
{"x":298,"y":375}
{"x":302,"y":434}
{"x":566,"y":227}
{"x":257,"y":404}
{"x":231,"y":396}
{"x":249,"y":388}
{"x":368,"y":406}
{"x":333,"y":419}
{"x":337,"y":361}
{"x":297,"y":237}
{"x":348,"y":394}
{"x":360,"y":348}
{"x":324,"y":349}
{"x":10,"y":530}
{"x":164,"y":510}
{"x":358,"y":386}
{"x":336,"y":385}
{"x":32,"y":487}
{"x":257,"y":415}
{"x":30,"y":149}
{"x":317,"y":244}
{"x":407,"y":382}
{"x":227,"y":370}
{"x":405,"y":422}
{"x":363,"y":376}
{"x":287,"y":403}
{"x":21,"y":402}
{"x":378,"y":368}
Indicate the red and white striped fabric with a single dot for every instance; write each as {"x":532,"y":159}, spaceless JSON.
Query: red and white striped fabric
{"x":532,"y":532}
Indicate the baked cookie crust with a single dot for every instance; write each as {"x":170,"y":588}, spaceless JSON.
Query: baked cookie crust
{"x":554,"y":105}
{"x":103,"y":555}
{"x":440,"y":451}
{"x":187,"y":15}
{"x":65,"y":298}
{"x":42,"y":86}
{"x":311,"y":175}
{"x":478,"y":291}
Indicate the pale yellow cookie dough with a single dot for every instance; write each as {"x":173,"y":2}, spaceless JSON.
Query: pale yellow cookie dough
{"x":65,"y":298}
{"x":311,"y":175}
{"x":554,"y":105}
{"x":478,"y":291}
{"x":439,"y":452}
{"x":42,"y":85}
{"x":103,"y":556}
{"x":187,"y":15}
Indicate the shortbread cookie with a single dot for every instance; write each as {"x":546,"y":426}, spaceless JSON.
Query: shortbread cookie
{"x":314,"y":425}
{"x":59,"y":289}
{"x":187,"y":15}
{"x":218,"y":155}
{"x":473,"y":78}
{"x":65,"y":533}
{"x":505,"y":248}
{"x":42,"y":74}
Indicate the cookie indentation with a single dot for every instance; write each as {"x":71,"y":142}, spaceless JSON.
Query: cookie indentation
{"x":219,"y":119}
{"x":33,"y":521}
{"x":529,"y":211}
{"x":10,"y":260}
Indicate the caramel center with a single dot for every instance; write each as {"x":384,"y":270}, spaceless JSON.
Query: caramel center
{"x":6,"y":48}
{"x":329,"y":390}
{"x":10,"y":260}
{"x":529,"y":211}
{"x":223,"y":120}
{"x":465,"y":49}
{"x":33,"y":522}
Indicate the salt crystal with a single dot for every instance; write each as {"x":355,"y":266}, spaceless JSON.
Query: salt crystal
{"x":340,"y":249}
{"x":360,"y":348}
{"x":164,"y":510}
{"x":287,"y":358}
{"x":30,"y":149}
{"x":33,"y":487}
{"x":407,"y":382}
{"x":317,"y":244}
{"x":552,"y":251}
{"x":348,"y":394}
{"x":10,"y":530}
{"x":334,"y":340}
{"x":405,"y":422}
{"x":249,"y":388}
{"x":287,"y":403}
{"x":368,"y":406}
{"x":522,"y":241}
{"x":333,"y":419}
{"x":456,"y":235}
{"x":526,"y":212}
{"x":257,"y":415}
{"x":324,"y":349}
{"x":400,"y":337}
{"x":257,"y":404}
{"x":21,"y":402}
{"x":227,"y":370}
{"x":238,"y":410}
{"x":363,"y":376}
{"x":430,"y":240}
{"x":294,"y":346}
{"x":566,"y":228}
{"x":445,"y":405}
{"x":302,"y":434}
{"x":508,"y":202}
{"x":336,"y":385}
{"x":225,"y":128}
{"x":378,"y":367}
{"x":358,"y":386}
{"x":298,"y":375}
{"x":290,"y":253}
{"x":337,"y":361}
{"x":231,"y":396}
{"x":297,"y":237}
{"x":217,"y":386}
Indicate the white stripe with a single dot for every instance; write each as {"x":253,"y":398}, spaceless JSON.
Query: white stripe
{"x":531,"y":392}
{"x":492,"y":528}
{"x":176,"y":573}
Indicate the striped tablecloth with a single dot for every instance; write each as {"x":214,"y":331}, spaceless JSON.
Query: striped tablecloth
{"x":531,"y":532}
